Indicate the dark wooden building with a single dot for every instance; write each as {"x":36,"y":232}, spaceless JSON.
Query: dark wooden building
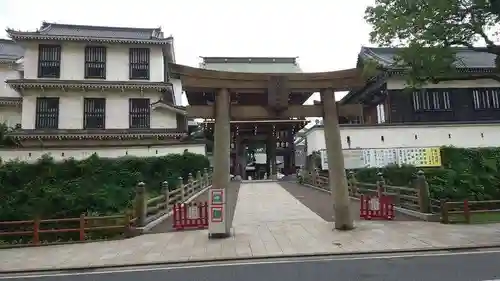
{"x":387,"y":99}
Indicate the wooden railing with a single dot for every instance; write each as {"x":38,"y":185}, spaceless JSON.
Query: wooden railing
{"x":413,"y":197}
{"x":470,"y":211}
{"x":146,"y":209}
{"x":83,"y":225}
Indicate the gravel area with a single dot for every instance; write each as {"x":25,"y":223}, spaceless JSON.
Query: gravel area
{"x":320,"y":202}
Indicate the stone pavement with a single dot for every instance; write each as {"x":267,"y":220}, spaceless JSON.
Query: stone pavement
{"x":276,"y":225}
{"x":259,"y":240}
{"x":261,"y":202}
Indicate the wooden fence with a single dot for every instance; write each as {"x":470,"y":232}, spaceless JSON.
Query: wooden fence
{"x":470,"y":211}
{"x":144,"y":211}
{"x":413,"y":197}
{"x":416,"y":197}
{"x":83,"y":226}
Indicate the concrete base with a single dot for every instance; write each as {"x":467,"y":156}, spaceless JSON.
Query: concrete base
{"x":250,"y":181}
{"x":219,"y":235}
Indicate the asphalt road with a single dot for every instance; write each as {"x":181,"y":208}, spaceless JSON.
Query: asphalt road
{"x":442,"y":266}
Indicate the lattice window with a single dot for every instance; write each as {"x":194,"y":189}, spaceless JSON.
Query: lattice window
{"x":431,"y":100}
{"x":95,"y":62}
{"x":49,"y":61}
{"x":47,"y":113}
{"x":486,"y":98}
{"x":140,"y":113}
{"x":139,"y":63}
{"x":94,"y":113}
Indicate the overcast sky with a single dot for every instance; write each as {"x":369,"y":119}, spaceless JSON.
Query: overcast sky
{"x":325,"y":35}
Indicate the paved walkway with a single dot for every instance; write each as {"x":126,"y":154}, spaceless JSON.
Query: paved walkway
{"x":258,"y":240}
{"x":320,"y":202}
{"x":268,"y":221}
{"x":262,"y":202}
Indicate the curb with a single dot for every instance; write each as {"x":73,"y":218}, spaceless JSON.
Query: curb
{"x":269,"y":257}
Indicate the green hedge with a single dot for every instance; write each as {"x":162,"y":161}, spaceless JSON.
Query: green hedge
{"x":97,"y":186}
{"x":465,"y":174}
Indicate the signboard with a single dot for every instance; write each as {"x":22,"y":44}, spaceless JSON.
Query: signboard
{"x":324,"y":159}
{"x":217,"y":196}
{"x":193,"y":212}
{"x":353,"y":158}
{"x":216,"y":214}
{"x":377,"y":158}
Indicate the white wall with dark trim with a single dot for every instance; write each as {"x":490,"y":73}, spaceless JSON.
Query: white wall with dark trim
{"x":399,"y":136}
{"x":32,"y":155}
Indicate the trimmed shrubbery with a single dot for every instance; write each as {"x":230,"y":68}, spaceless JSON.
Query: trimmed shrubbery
{"x":96,"y":186}
{"x":465,"y":174}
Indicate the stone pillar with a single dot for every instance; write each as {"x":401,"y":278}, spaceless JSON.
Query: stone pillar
{"x":218,"y":226}
{"x":243,"y":159}
{"x":291,"y":148}
{"x":272,"y":157}
{"x":336,"y":171}
{"x":237,"y":156}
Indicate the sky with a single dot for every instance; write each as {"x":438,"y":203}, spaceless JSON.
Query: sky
{"x":325,"y":35}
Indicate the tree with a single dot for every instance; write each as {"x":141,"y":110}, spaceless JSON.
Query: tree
{"x":5,"y":139}
{"x":429,"y":29}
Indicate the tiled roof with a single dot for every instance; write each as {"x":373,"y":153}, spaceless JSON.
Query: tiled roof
{"x":252,"y":64}
{"x":87,"y":84}
{"x":55,"y":31}
{"x":97,"y":134}
{"x":466,"y":58}
{"x":9,"y":50}
{"x":469,"y":62}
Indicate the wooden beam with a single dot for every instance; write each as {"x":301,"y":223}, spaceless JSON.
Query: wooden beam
{"x":249,"y":112}
{"x":260,"y":86}
{"x":196,"y":83}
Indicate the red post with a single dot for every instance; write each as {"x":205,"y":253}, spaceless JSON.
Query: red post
{"x":82,"y":227}
{"x":36,"y":231}
{"x":467,"y":211}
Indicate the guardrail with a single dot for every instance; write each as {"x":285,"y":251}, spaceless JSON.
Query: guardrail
{"x":414,"y":197}
{"x":470,"y":211}
{"x":146,"y":210}
{"x":83,"y":225}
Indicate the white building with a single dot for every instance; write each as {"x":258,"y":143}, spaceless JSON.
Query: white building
{"x":461,"y":111}
{"x":93,"y":89}
{"x":10,"y":68}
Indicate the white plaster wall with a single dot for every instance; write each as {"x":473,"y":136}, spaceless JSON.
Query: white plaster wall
{"x":177,"y":86}
{"x":478,"y":135}
{"x":73,"y":61}
{"x":398,"y":84}
{"x":31,"y":155}
{"x":8,"y":72}
{"x":117,"y":109}
{"x":10,"y":115}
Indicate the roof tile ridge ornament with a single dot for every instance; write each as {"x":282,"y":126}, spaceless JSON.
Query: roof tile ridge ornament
{"x":46,"y":26}
{"x":370,"y":54}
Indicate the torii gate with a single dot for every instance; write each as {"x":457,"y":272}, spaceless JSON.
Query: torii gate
{"x":223,"y":95}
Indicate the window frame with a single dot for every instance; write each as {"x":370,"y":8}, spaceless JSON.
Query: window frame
{"x":95,"y":56}
{"x":139,"y":60}
{"x":431,"y":100}
{"x":490,"y":102}
{"x":49,"y":56}
{"x":49,"y":113}
{"x":94,"y":117}
{"x":138,"y":113}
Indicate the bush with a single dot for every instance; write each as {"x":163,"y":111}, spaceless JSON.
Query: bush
{"x":465,"y":174}
{"x":99,"y":186}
